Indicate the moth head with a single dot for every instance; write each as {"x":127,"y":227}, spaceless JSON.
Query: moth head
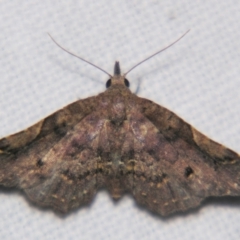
{"x":117,"y":78}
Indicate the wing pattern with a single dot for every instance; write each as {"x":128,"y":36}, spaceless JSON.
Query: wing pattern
{"x":123,"y":143}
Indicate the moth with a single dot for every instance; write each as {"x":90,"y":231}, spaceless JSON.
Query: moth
{"x":120,"y":142}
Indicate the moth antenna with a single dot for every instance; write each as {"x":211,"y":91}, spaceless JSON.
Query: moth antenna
{"x":64,"y":49}
{"x":156,"y":53}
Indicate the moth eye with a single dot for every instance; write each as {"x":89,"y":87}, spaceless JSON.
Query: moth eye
{"x":126,"y":82}
{"x":108,"y":83}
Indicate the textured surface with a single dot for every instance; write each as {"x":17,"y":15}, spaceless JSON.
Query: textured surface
{"x":123,"y":143}
{"x":198,"y":79}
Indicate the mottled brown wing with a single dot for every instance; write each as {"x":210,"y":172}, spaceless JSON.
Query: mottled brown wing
{"x":175,"y":166}
{"x":40,"y":161}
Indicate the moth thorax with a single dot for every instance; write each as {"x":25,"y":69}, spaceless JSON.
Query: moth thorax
{"x":118,"y":111}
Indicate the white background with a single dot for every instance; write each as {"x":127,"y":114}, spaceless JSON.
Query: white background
{"x":198,"y":78}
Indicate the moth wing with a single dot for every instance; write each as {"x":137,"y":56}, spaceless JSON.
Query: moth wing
{"x":43,"y":161}
{"x":175,"y":166}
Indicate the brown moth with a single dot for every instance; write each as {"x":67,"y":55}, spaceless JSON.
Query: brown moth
{"x":123,"y":143}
